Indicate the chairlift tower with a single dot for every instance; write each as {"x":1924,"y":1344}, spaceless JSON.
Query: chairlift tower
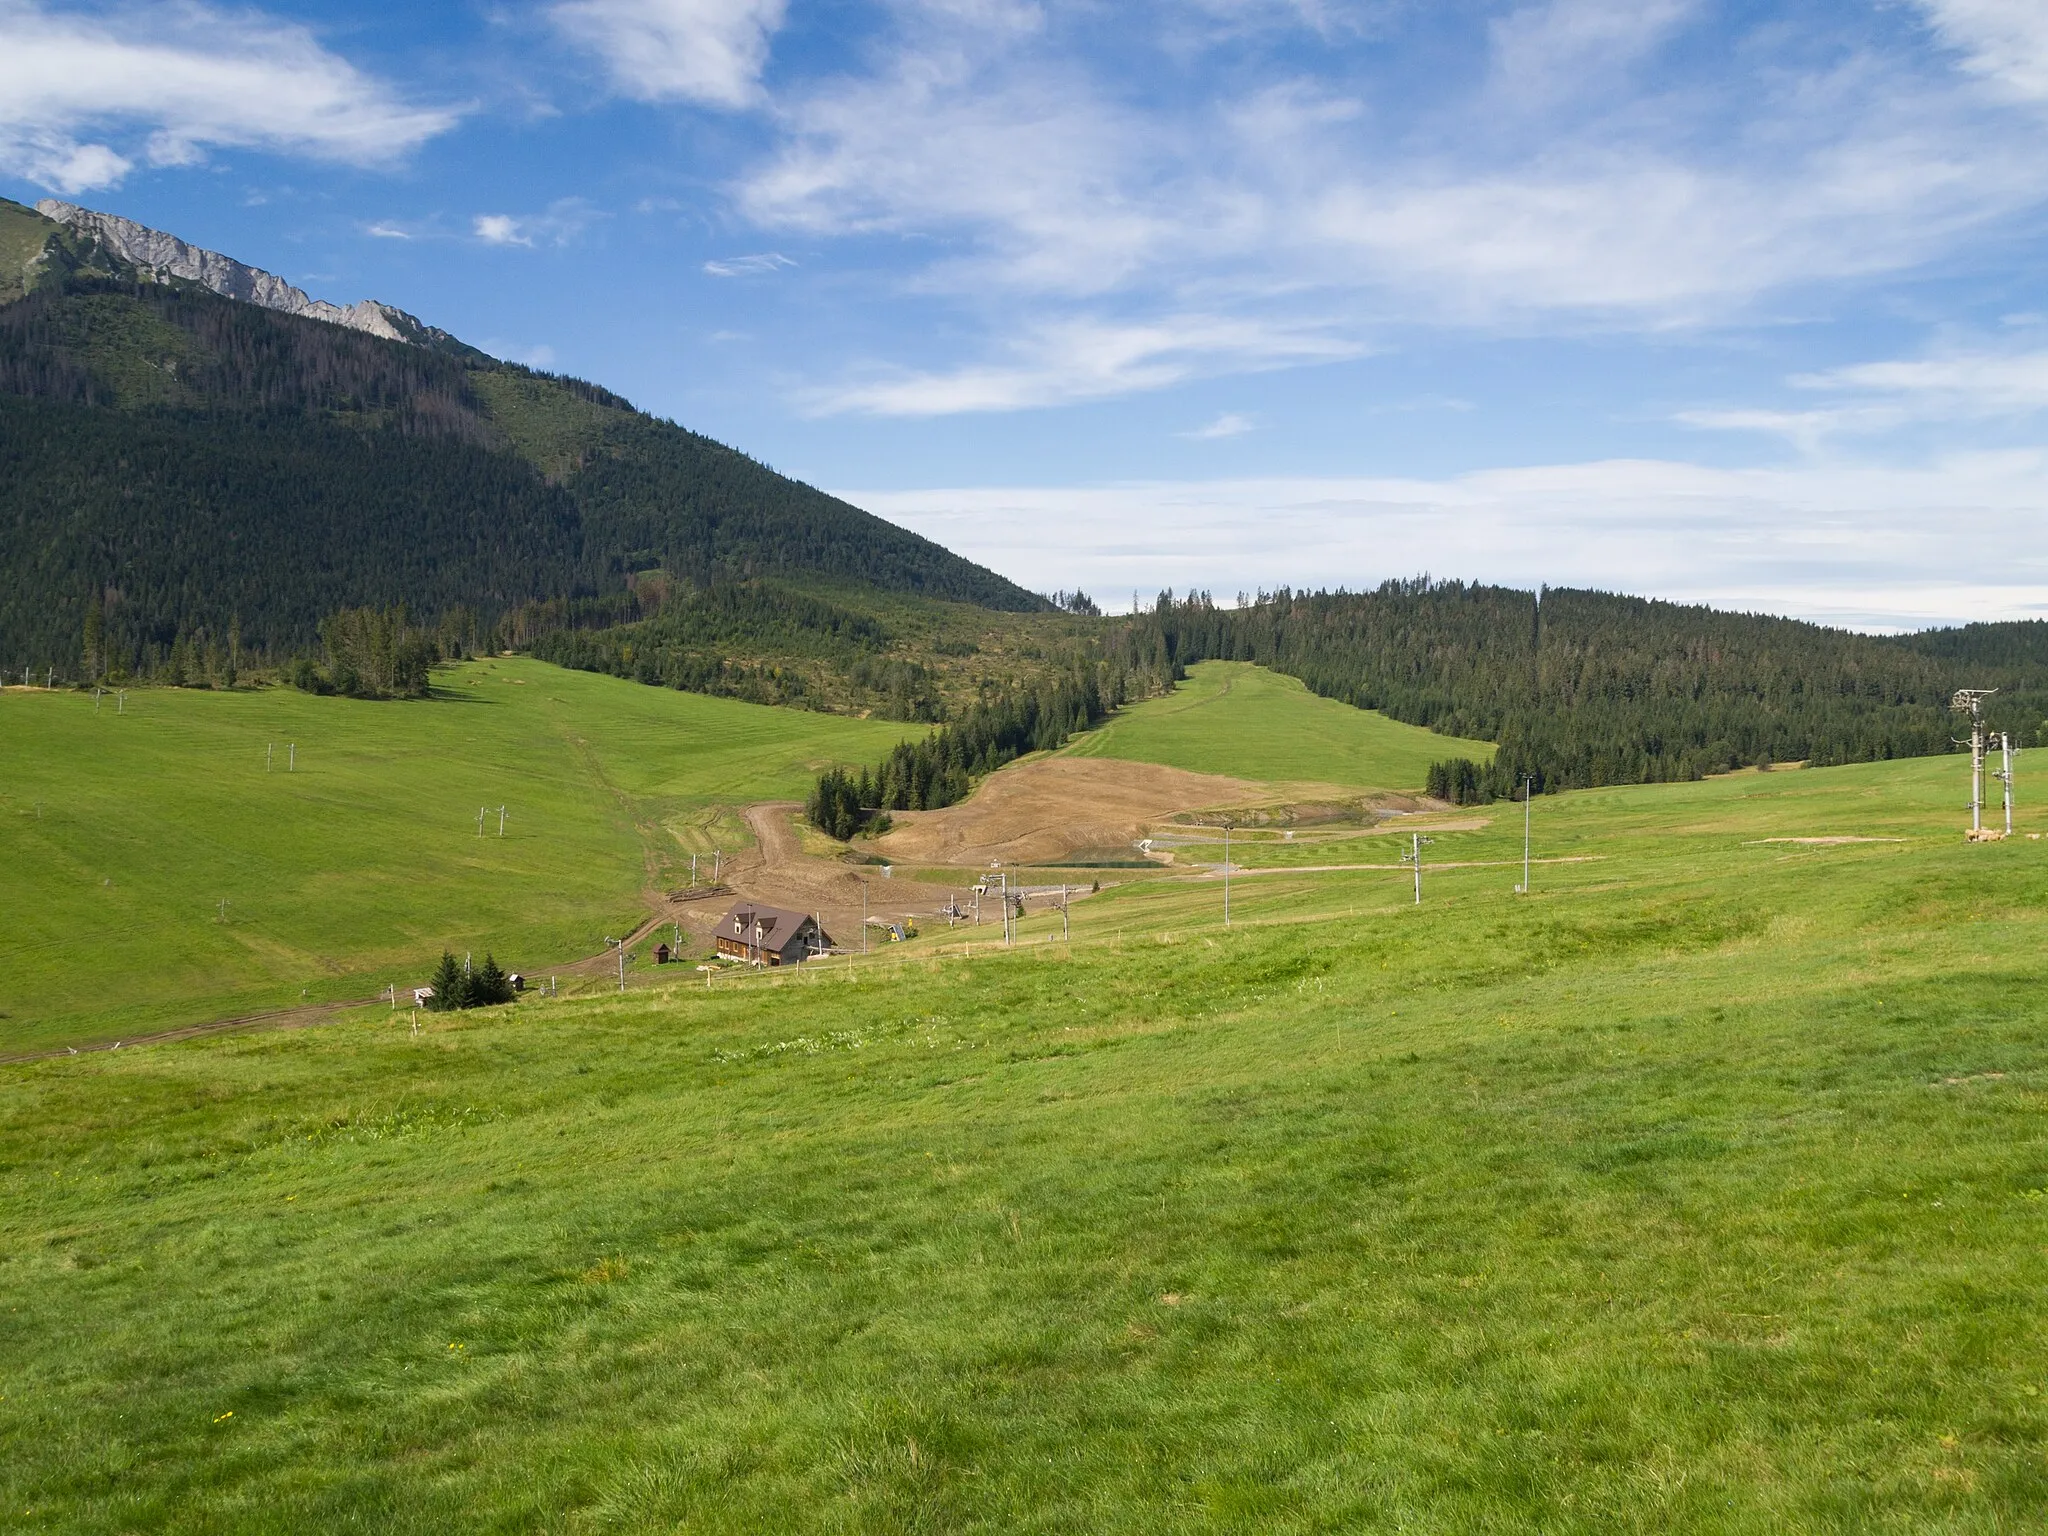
{"x":1228,"y":824}
{"x":1414,"y":856}
{"x":2006,"y":753}
{"x":1970,"y":701}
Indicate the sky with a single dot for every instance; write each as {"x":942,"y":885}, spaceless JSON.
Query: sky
{"x":1733,"y":303}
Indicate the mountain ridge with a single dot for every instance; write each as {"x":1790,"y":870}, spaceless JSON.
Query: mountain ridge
{"x":180,"y":459}
{"x":165,"y":256}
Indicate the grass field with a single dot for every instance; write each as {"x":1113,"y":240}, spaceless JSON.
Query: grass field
{"x":1234,"y":718}
{"x":1706,"y":1188}
{"x":121,"y":832}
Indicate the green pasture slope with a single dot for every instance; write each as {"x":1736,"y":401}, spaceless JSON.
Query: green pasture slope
{"x":120,"y":834}
{"x":1703,"y":1189}
{"x":1236,"y":718}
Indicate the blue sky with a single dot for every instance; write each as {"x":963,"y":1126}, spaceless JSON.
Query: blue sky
{"x":1740,"y":303}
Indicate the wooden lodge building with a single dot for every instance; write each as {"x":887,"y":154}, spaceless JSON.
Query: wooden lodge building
{"x":770,"y":935}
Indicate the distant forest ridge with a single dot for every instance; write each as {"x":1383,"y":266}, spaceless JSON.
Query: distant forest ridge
{"x":1584,"y":688}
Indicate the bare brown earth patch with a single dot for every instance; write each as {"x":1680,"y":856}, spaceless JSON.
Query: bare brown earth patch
{"x":1828,"y":842}
{"x":1043,"y":811}
{"x":777,"y":872}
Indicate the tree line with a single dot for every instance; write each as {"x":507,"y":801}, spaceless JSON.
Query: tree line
{"x":941,"y":768}
{"x":1580,"y":688}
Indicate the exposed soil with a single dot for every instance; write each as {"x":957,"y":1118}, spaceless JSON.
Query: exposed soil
{"x":1829,"y":842}
{"x":1040,"y":812}
{"x":777,"y":872}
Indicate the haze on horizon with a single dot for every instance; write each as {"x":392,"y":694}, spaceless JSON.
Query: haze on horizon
{"x":1729,"y":304}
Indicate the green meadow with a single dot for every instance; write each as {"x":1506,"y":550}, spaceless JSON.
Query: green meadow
{"x":123,"y":832}
{"x":1703,"y":1188}
{"x":1236,"y":718}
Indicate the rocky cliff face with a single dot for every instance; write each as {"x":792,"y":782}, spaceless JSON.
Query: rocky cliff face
{"x":165,"y":256}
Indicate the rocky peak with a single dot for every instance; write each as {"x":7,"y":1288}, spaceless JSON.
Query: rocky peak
{"x":165,"y":257}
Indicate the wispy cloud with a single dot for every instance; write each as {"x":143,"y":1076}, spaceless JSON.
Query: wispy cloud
{"x":84,"y":96}
{"x":562,"y":223}
{"x":2004,"y":40}
{"x":1593,"y":174}
{"x":1229,"y":424}
{"x":1086,"y":359}
{"x":384,"y":229}
{"x":748,"y":266}
{"x":706,"y":51}
{"x":1869,"y":548}
{"x":1884,"y":396}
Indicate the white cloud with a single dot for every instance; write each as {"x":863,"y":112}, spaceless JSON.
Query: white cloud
{"x":182,"y":79}
{"x":1544,"y":54}
{"x":1884,"y":396}
{"x":1086,"y":359}
{"x":1870,"y":548}
{"x":749,"y":266}
{"x":1229,"y":424}
{"x":500,"y":229}
{"x":384,"y":229}
{"x":1589,"y":175}
{"x":1964,"y":383}
{"x":706,"y":51}
{"x":2003,"y":40}
{"x":564,"y":220}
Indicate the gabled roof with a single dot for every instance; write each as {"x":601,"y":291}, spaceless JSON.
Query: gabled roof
{"x":755,"y":925}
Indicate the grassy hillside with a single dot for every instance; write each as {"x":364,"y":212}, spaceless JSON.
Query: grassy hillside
{"x":121,"y":833}
{"x":1235,"y":718}
{"x":1703,"y":1190}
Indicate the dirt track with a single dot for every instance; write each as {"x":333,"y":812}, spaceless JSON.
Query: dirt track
{"x":779,"y":873}
{"x":1043,"y":811}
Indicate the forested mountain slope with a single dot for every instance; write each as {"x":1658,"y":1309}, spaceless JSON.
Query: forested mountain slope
{"x":192,"y":461}
{"x":1583,"y":688}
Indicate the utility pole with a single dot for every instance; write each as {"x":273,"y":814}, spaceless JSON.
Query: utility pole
{"x":1227,"y":825}
{"x":693,"y":869}
{"x":292,"y":759}
{"x":622,"y":965}
{"x":863,"y":917}
{"x":1066,"y":929}
{"x":1970,"y":701}
{"x":479,"y":821}
{"x":501,"y":821}
{"x":1528,"y":789}
{"x":268,"y":748}
{"x":717,"y":859}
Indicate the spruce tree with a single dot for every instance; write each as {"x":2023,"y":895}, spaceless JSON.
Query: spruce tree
{"x":489,"y":984}
{"x":451,"y":987}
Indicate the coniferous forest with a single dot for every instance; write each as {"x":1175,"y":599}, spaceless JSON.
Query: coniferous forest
{"x":191,"y":463}
{"x":1585,"y":688}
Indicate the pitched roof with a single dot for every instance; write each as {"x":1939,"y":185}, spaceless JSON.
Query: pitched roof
{"x":777,"y":925}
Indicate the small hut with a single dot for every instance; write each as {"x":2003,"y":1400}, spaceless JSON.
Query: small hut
{"x":661,"y":953}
